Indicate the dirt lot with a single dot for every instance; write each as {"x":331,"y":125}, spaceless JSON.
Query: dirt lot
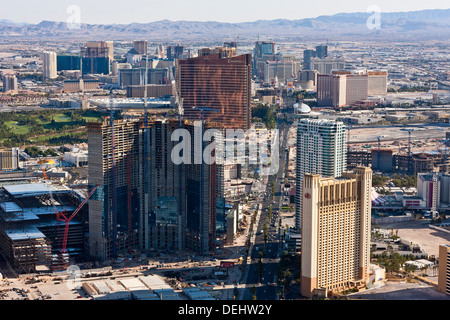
{"x":426,"y":138}
{"x":402,"y":291}
{"x":419,"y":233}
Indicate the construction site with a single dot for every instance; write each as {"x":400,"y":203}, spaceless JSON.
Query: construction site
{"x":400,"y":149}
{"x":36,"y":234}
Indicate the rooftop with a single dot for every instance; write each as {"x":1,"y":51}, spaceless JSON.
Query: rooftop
{"x":34,"y":189}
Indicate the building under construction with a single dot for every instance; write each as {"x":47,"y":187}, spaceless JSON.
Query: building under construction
{"x":31,"y":235}
{"x":144,"y":199}
{"x":386,"y":160}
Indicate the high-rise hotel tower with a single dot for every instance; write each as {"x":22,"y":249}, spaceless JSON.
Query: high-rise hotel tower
{"x":336,"y":232}
{"x":321,"y":149}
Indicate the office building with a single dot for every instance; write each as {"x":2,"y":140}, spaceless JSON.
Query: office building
{"x":336,"y":232}
{"x":140,"y":46}
{"x":10,"y":82}
{"x":321,"y":51}
{"x":49,"y":65}
{"x":444,"y":269}
{"x":221,"y":86}
{"x":321,"y":149}
{"x":307,"y":55}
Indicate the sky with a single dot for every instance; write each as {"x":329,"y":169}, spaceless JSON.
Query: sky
{"x":142,"y":11}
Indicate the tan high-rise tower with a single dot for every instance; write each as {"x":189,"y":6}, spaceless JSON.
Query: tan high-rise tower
{"x":444,"y":269}
{"x":335,"y":232}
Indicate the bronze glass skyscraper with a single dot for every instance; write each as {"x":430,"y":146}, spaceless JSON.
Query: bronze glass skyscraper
{"x":218,"y":86}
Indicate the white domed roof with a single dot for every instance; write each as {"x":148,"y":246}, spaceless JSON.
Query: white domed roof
{"x":302,"y":108}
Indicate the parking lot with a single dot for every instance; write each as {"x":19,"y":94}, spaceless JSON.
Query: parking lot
{"x":401,"y":291}
{"x":419,"y":233}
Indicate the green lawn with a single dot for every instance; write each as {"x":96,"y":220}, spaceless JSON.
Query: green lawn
{"x":60,"y":120}
{"x":19,"y":129}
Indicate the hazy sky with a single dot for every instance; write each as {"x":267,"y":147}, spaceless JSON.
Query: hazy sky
{"x":124,"y":12}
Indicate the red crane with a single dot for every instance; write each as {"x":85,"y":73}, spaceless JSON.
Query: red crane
{"x":62,"y":217}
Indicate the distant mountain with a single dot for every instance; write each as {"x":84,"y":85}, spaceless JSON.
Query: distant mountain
{"x":425,"y":24}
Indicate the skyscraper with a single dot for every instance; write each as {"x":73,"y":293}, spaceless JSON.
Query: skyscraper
{"x":175,"y":52}
{"x":279,"y":71}
{"x":49,"y":65}
{"x":347,"y":87}
{"x":68,"y":62}
{"x":327,"y":64}
{"x":336,"y":232}
{"x":264,"y":51}
{"x":166,"y":196}
{"x":9,"y":82}
{"x":201,"y":197}
{"x":321,"y":51}
{"x":97,"y":56}
{"x":140,"y":46}
{"x":444,"y":269}
{"x":221,"y":86}
{"x":321,"y":149}
{"x":115,"y":209}
{"x":145,"y":200}
{"x":307,"y":55}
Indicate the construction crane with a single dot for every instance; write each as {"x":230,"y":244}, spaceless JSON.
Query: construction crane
{"x":43,"y":163}
{"x":409,"y":149}
{"x":379,"y":154}
{"x":62,"y":217}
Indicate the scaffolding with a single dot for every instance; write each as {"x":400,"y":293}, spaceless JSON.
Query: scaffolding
{"x":25,"y":254}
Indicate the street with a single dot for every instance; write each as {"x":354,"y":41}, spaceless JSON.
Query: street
{"x":263,"y":276}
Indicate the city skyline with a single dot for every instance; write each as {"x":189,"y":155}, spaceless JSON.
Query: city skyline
{"x":102,"y":12}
